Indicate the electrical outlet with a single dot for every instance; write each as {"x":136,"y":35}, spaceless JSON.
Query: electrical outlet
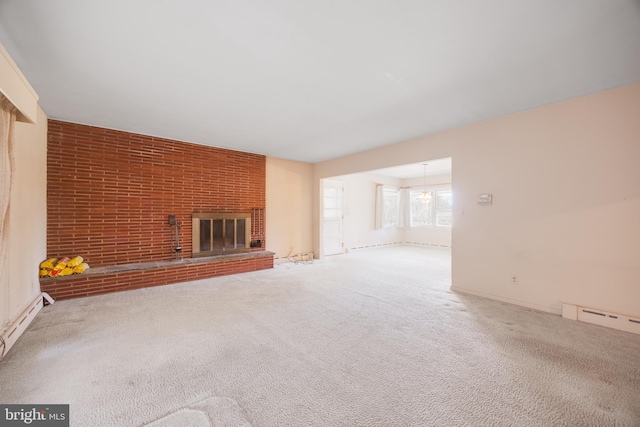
{"x":514,"y":280}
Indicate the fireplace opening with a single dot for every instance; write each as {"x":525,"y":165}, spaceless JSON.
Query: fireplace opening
{"x":220,"y":233}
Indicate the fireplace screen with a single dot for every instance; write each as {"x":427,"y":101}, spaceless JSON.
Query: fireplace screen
{"x":216,"y":234}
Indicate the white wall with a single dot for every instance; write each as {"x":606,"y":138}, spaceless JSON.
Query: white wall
{"x":437,"y":236}
{"x":288,"y":211}
{"x":566,"y":186}
{"x":28,"y":212}
{"x":28,"y":215}
{"x":359,"y":212}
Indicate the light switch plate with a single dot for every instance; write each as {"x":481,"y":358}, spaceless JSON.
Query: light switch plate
{"x":484,"y":199}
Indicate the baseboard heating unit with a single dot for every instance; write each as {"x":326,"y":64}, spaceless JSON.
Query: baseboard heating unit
{"x":602,"y":318}
{"x":18,"y":324}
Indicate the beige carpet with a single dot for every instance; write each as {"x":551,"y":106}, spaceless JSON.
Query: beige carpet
{"x":373,"y":338}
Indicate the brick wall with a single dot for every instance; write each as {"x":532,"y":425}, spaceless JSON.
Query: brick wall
{"x":109,"y":193}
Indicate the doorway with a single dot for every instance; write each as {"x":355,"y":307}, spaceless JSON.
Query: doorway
{"x":332,"y":217}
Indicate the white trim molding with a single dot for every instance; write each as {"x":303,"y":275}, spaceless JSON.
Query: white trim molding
{"x":15,"y":87}
{"x":508,"y":300}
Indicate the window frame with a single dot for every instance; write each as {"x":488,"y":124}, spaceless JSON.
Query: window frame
{"x":434,"y":190}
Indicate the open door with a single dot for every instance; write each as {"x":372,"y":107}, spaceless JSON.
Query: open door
{"x":332,"y":217}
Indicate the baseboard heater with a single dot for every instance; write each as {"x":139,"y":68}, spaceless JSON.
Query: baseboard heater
{"x":19,"y":324}
{"x":603,"y":318}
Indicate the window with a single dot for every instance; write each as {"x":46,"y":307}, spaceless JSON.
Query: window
{"x":443,"y":208}
{"x":391,"y":207}
{"x":421,"y":210}
{"x":435,"y":210}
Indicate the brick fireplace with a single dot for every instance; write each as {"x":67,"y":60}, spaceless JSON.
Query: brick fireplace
{"x":109,"y":194}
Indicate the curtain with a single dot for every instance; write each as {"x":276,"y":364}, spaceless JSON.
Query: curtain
{"x":379,"y":207}
{"x":404,"y":203}
{"x":7,"y":123}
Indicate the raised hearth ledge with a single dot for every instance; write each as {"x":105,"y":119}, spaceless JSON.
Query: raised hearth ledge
{"x":142,"y":266}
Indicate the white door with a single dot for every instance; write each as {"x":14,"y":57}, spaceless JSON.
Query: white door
{"x":332,"y":217}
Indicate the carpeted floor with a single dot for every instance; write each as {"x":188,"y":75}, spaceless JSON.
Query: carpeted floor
{"x":372,"y":338}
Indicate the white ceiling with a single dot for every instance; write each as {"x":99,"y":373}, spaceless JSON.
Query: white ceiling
{"x":318,"y":79}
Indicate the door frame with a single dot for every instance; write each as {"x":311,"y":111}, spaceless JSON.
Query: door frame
{"x":336,"y":184}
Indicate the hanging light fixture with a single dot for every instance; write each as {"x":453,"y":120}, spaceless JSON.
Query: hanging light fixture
{"x":425,"y":196}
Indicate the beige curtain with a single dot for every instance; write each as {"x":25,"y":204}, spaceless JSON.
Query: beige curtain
{"x":7,"y":124}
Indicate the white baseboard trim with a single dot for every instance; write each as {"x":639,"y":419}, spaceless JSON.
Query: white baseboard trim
{"x":508,"y":300}
{"x":432,"y":245}
{"x":375,"y":245}
{"x":19,"y":324}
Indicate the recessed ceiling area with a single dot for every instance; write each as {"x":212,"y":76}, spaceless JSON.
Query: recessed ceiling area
{"x":314,"y":80}
{"x":416,"y":170}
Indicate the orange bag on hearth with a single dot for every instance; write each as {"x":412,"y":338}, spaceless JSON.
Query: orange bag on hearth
{"x":79,"y":269}
{"x":75,"y":261}
{"x":62,"y":263}
{"x":48,"y":264}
